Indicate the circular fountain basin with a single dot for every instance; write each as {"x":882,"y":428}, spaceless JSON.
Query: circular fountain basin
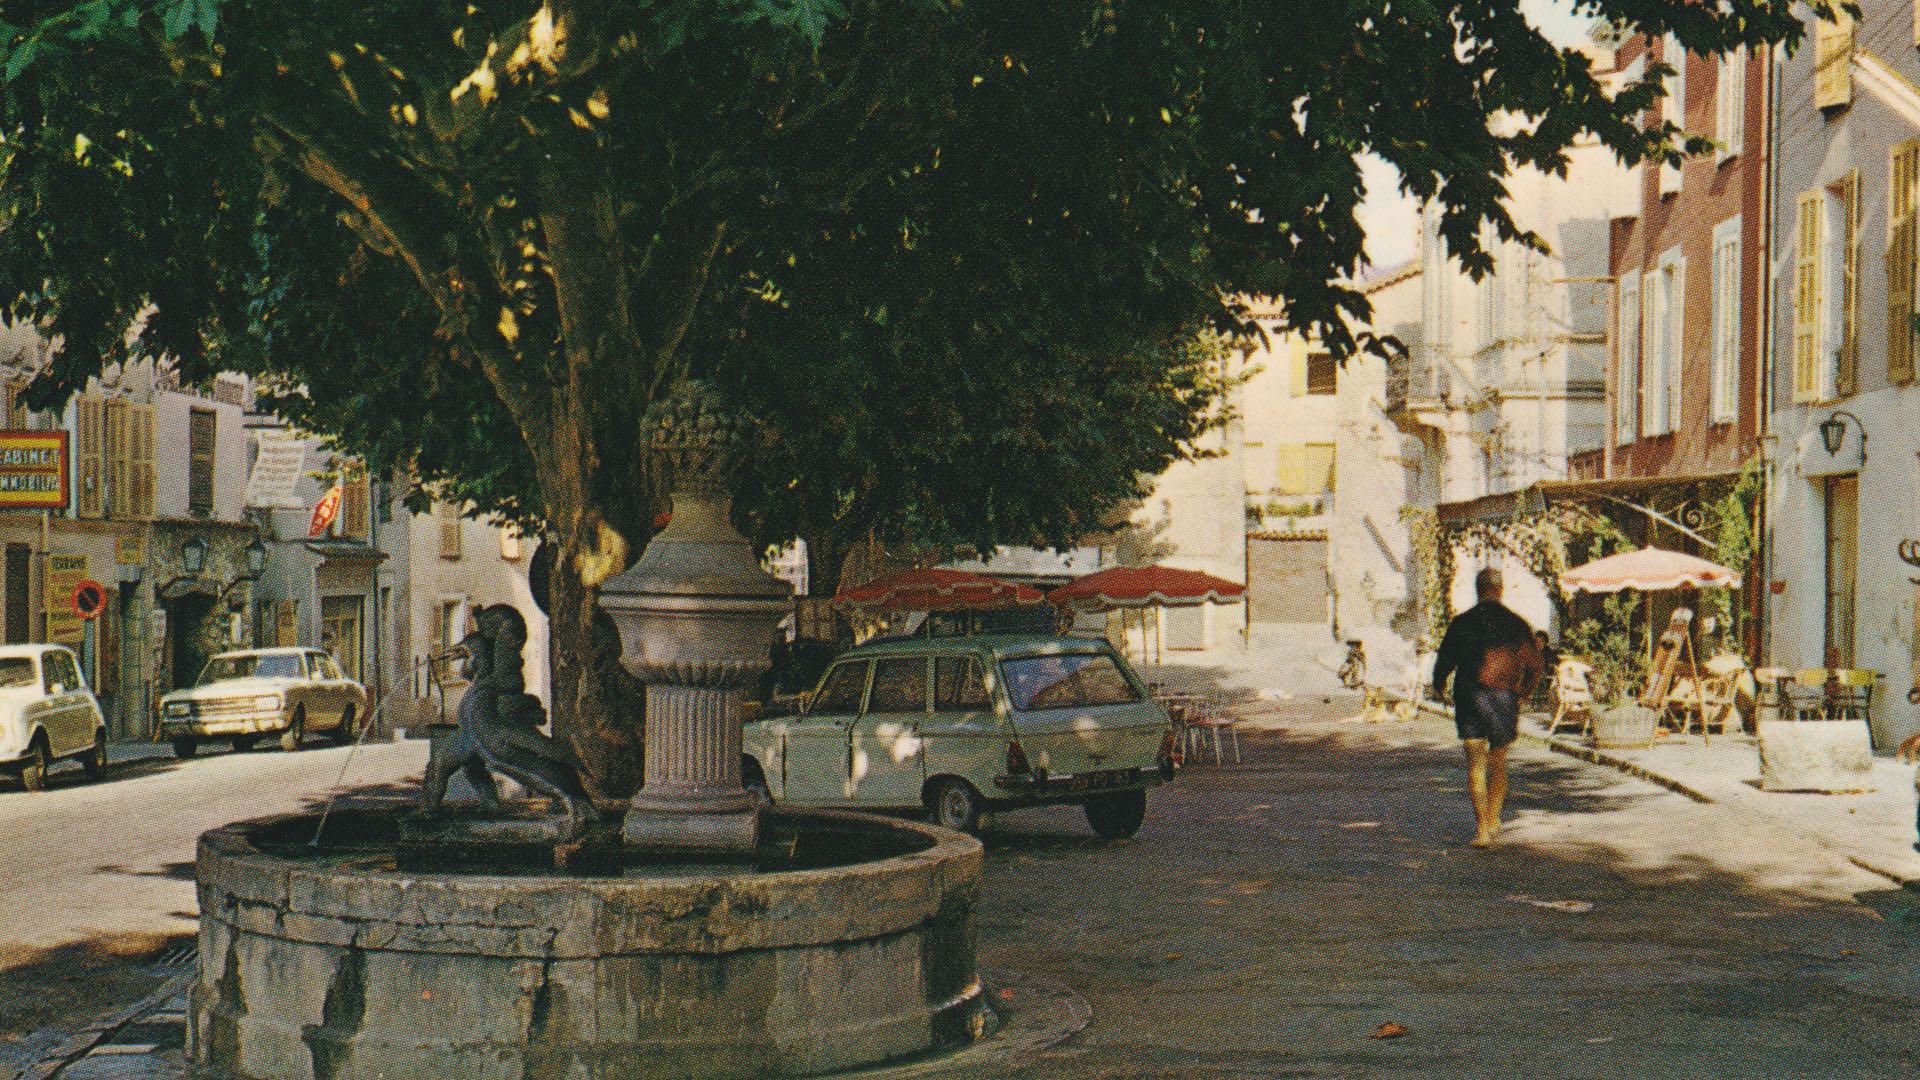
{"x":328,"y":962}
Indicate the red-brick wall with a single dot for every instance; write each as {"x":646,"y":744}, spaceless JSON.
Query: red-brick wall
{"x":1711,"y":192}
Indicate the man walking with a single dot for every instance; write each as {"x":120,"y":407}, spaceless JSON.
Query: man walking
{"x":1491,"y":654}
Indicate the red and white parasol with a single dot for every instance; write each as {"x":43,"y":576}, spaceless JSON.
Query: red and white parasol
{"x":937,"y":589}
{"x":1648,"y":570}
{"x":1144,"y":586}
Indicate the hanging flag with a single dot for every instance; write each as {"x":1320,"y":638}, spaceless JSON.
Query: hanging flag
{"x":323,"y":513}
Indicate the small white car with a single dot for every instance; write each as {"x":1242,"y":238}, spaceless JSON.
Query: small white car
{"x":243,"y":695}
{"x":47,"y":714}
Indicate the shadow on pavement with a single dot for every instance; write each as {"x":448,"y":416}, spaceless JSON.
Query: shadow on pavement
{"x":76,"y":983}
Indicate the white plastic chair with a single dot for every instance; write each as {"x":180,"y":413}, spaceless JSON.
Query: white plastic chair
{"x":1573,"y":695}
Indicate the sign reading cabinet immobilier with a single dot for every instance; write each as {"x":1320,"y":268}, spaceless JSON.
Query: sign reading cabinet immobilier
{"x":33,"y":470}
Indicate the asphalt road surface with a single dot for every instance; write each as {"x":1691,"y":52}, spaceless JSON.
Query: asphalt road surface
{"x":96,"y":878}
{"x":1270,"y":918}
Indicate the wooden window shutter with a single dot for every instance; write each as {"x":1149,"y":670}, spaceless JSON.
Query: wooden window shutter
{"x":1832,"y":51}
{"x":1649,"y":349}
{"x":140,"y":439}
{"x":1676,"y":350}
{"x":119,"y":461}
{"x":1900,"y":274}
{"x":354,"y":500}
{"x":89,"y":453}
{"x":1903,"y":258}
{"x":1806,"y":297}
{"x":449,"y":516}
{"x":1626,"y":380}
{"x":1849,"y":353}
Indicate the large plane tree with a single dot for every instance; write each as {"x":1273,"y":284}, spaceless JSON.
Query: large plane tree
{"x":486,"y":236}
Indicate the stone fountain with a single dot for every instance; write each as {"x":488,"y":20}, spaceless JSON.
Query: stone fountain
{"x":693,"y":935}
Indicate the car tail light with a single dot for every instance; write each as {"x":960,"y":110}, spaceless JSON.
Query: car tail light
{"x":1017,"y":759}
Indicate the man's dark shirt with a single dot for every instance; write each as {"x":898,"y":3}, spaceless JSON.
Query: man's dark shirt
{"x":1473,"y":633}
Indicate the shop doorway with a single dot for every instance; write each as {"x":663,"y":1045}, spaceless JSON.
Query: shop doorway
{"x":340,"y":632}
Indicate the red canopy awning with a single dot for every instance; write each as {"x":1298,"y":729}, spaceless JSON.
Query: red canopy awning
{"x":1144,"y":586}
{"x":937,"y":589}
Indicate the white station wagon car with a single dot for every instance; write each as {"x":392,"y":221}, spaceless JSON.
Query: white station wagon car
{"x":47,"y":713}
{"x":243,"y":695}
{"x":969,"y":725}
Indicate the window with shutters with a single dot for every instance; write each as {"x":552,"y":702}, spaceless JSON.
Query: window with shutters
{"x":1832,"y":51}
{"x":1730,"y":104}
{"x":1322,"y":374}
{"x":1626,"y":380}
{"x":1724,"y":404}
{"x":1903,"y":256}
{"x":201,"y":429}
{"x":1842,"y":266}
{"x":89,"y":453}
{"x":1809,"y":216}
{"x":448,"y":516}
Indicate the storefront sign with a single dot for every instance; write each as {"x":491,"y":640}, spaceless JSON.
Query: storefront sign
{"x":130,"y":549}
{"x":277,"y":469}
{"x":33,"y":470}
{"x":64,"y":575}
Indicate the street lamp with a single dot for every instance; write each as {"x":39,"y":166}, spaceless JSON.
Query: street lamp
{"x":256,"y":558}
{"x":1833,"y":431}
{"x":193,"y":555}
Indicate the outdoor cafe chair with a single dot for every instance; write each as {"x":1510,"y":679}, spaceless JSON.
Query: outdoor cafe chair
{"x":1573,"y":692}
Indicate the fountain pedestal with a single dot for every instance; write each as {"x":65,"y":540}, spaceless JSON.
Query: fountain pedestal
{"x":696,"y":615}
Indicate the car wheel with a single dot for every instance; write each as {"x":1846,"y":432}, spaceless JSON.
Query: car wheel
{"x":244,"y":743}
{"x":185,"y":746}
{"x":343,"y":734}
{"x":297,"y":730}
{"x":33,"y":775}
{"x":1117,"y":816}
{"x":95,"y":763}
{"x":955,"y":805}
{"x":755,"y":781}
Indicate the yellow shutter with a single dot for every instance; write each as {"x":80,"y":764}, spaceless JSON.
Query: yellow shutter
{"x":1900,"y":274}
{"x":1832,"y":49}
{"x":449,"y":515}
{"x":89,"y":456}
{"x":354,"y":499}
{"x":1847,"y":356}
{"x":1806,"y":297}
{"x":140,"y":442}
{"x":119,"y":472}
{"x":1319,"y":467}
{"x":1297,"y":373}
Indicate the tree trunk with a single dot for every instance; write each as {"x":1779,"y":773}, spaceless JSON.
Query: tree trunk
{"x":597,"y":706}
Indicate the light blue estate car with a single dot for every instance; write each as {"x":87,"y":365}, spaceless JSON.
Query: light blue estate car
{"x":969,"y":725}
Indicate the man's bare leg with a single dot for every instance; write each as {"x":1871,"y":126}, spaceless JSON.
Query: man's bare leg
{"x":1479,"y":789}
{"x":1496,"y":786}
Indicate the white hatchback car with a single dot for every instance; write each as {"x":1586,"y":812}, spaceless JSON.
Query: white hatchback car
{"x":47,"y":713}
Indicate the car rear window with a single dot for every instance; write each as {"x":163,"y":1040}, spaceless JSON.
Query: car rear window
{"x":16,"y":671}
{"x":1066,"y":682}
{"x":276,"y":666}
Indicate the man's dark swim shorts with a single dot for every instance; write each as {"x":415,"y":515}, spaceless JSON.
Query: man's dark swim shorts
{"x":1493,"y":715}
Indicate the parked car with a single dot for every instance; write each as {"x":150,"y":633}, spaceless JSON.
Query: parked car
{"x":246,"y":694}
{"x":965,"y":726}
{"x":47,"y":713}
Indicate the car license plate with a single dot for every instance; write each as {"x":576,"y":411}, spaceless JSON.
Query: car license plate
{"x":1107,"y":779}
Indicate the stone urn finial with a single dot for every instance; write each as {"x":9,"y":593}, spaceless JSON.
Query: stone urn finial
{"x":696,"y":615}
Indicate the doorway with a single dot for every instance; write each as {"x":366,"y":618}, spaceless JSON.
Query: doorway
{"x":1843,"y":554}
{"x":340,"y":632}
{"x":186,"y":636}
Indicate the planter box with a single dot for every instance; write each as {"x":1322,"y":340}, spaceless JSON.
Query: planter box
{"x":1815,"y":755}
{"x":1625,"y":727}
